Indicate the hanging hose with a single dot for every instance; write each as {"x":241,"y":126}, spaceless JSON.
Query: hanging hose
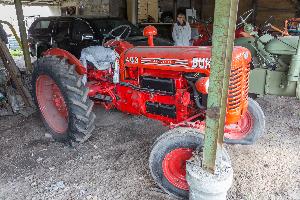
{"x":196,"y":95}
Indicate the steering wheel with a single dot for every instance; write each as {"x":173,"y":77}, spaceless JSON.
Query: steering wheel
{"x":265,"y":27}
{"x":243,"y":18}
{"x":125,"y":28}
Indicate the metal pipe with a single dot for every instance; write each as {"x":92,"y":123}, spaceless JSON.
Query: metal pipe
{"x":23,"y":34}
{"x":225,"y":16}
{"x":284,"y":33}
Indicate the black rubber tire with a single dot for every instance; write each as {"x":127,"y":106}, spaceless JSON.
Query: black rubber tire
{"x":81,"y":117}
{"x":172,"y":139}
{"x":258,"y":126}
{"x":253,"y":96}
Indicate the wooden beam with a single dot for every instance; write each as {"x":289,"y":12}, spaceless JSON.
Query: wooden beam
{"x":23,"y":35}
{"x":15,"y":74}
{"x":254,"y":7}
{"x":175,"y":9}
{"x":33,"y":2}
{"x":225,"y":17}
{"x":201,"y":9}
{"x":297,"y":7}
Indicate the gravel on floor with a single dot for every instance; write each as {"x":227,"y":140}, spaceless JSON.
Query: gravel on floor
{"x":113,"y":164}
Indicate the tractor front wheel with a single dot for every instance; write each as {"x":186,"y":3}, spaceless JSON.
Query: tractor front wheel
{"x":62,"y":99}
{"x":168,"y":158}
{"x":252,"y":126}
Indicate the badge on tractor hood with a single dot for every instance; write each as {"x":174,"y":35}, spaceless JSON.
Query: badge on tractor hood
{"x":202,"y":63}
{"x":165,"y":62}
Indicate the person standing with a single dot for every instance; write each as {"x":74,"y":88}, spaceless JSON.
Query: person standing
{"x":181,"y":31}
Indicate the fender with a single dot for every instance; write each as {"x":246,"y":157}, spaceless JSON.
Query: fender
{"x":80,"y":69}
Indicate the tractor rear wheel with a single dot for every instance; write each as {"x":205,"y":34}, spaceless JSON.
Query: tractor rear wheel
{"x":62,"y":99}
{"x":252,"y":125}
{"x":168,"y":158}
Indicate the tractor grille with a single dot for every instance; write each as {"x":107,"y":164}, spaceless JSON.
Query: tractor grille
{"x":237,"y":101}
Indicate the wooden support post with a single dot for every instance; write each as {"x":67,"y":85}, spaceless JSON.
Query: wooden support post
{"x":254,"y":7}
{"x":132,"y":11}
{"x":23,"y":34}
{"x":223,"y":38}
{"x":201,"y":9}
{"x":15,"y":74}
{"x":175,"y":10}
{"x":297,"y":7}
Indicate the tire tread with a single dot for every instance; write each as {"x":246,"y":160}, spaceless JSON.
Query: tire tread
{"x":81,"y":116}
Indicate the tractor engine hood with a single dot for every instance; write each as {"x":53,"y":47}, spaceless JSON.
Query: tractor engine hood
{"x":185,"y":59}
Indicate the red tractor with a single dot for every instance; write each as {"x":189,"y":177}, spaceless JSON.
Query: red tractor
{"x":204,"y":29}
{"x":169,"y":84}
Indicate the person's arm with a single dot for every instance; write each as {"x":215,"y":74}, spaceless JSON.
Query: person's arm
{"x":174,"y":33}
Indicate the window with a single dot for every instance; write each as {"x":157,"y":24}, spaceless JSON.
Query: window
{"x":63,"y":28}
{"x":62,"y":32}
{"x":42,"y":25}
{"x":79,"y":28}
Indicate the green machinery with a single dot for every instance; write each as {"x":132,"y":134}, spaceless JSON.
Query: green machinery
{"x":275,"y":61}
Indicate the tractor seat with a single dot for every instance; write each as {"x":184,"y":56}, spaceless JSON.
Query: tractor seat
{"x":102,"y":58}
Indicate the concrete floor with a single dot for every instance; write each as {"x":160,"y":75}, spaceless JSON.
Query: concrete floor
{"x":113,"y":164}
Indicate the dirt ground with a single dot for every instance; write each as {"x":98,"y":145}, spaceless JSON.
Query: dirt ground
{"x":113,"y":164}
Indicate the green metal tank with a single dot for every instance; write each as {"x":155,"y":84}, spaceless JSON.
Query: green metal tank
{"x":283,"y":45}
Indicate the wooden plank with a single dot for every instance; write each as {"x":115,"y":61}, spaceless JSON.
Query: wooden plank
{"x":15,"y":74}
{"x":147,"y":7}
{"x":280,"y":10}
{"x":23,"y":34}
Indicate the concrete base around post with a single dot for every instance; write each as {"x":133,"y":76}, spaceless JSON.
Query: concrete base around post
{"x":207,"y":186}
